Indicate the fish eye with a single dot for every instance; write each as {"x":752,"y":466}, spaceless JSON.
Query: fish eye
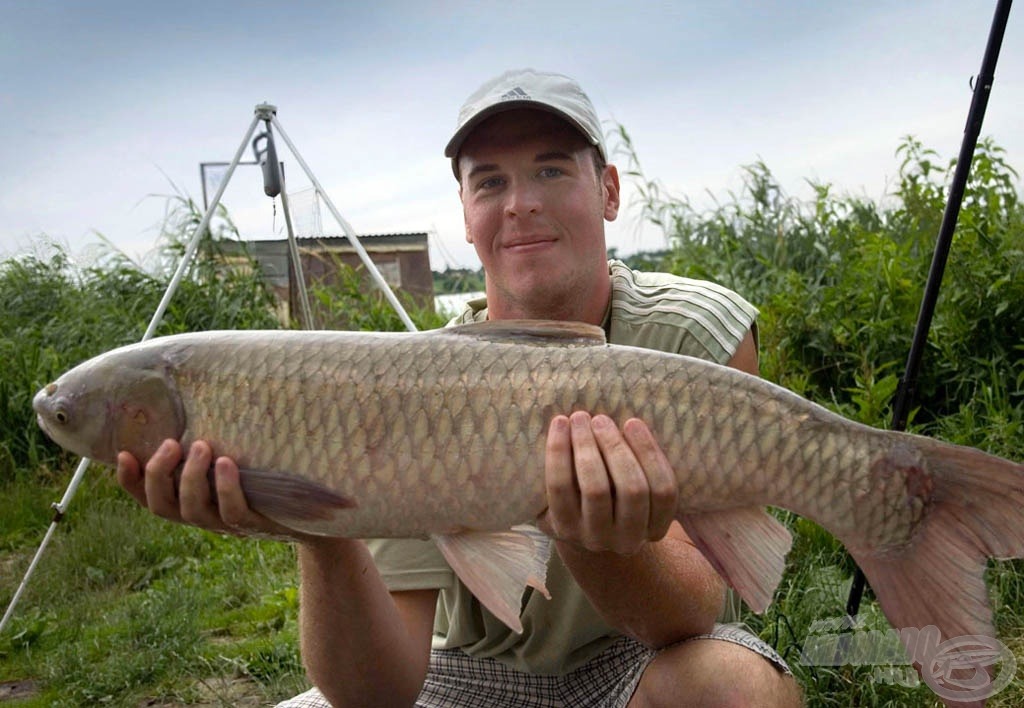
{"x":61,"y":416}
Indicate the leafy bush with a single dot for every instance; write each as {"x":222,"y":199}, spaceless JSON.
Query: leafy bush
{"x":839,"y":281}
{"x":58,"y":313}
{"x":349,"y":300}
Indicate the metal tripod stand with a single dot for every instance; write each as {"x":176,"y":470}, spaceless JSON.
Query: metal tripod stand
{"x":273,"y":185}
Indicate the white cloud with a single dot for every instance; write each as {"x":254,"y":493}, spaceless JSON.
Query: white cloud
{"x":106,"y":104}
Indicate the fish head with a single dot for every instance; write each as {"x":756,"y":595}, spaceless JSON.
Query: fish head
{"x":122,"y":400}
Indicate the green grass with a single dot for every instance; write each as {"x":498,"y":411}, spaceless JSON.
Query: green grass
{"x":811,"y":602}
{"x":125,"y":607}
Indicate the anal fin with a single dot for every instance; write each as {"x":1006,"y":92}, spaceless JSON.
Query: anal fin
{"x":497,"y":567}
{"x":746,"y":546}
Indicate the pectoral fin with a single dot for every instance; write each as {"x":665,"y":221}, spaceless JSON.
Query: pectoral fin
{"x":497,"y":567}
{"x":290,"y":500}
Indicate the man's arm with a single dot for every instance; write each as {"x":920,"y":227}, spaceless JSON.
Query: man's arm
{"x":360,"y":644}
{"x":610,"y":489}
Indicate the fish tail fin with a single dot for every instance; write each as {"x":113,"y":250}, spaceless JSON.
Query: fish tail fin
{"x":933,"y":588}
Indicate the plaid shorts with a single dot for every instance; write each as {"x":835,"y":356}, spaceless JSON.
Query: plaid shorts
{"x":607,"y":681}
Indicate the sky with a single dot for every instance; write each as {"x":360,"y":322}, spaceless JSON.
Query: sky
{"x":109,"y":107}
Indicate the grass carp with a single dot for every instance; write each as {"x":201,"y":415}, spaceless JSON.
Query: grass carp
{"x":442,"y":434}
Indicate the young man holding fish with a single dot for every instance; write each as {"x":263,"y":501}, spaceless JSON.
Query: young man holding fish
{"x":631,"y":620}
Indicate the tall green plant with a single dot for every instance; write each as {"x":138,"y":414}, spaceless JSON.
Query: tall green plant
{"x":58,"y":313}
{"x":350,"y":300}
{"x":839,"y":279}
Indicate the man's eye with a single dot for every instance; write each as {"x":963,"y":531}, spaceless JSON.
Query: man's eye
{"x":550,"y":172}
{"x":490,"y":183}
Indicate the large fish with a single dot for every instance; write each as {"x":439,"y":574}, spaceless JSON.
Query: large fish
{"x":441,"y":434}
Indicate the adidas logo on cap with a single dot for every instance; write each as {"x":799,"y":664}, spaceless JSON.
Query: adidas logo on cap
{"x":555,"y":93}
{"x":514,"y":94}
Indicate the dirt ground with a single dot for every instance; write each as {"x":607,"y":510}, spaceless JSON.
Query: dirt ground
{"x":218,"y":692}
{"x":13,"y":690}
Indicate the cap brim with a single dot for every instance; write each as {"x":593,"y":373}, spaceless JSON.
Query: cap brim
{"x":455,"y":144}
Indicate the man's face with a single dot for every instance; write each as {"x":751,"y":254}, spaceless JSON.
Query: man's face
{"x":535,"y":207}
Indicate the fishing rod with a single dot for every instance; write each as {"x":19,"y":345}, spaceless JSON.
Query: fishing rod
{"x":975,"y":115}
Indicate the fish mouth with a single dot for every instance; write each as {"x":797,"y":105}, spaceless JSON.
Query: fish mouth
{"x":37,"y":400}
{"x":45,"y":427}
{"x":40,"y":407}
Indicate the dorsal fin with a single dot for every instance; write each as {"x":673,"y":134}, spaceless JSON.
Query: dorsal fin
{"x":542,"y":333}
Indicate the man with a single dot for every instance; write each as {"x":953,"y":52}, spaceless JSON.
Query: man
{"x":632,"y":615}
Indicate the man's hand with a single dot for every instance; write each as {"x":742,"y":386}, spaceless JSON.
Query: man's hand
{"x":607,"y":489}
{"x":190,"y":501}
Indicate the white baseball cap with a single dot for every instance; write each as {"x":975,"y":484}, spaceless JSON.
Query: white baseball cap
{"x":526,"y":88}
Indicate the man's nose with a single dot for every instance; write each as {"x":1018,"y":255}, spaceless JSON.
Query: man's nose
{"x":524,"y":198}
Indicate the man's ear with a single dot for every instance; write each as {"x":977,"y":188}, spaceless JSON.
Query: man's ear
{"x":465,"y":221}
{"x":610,"y":188}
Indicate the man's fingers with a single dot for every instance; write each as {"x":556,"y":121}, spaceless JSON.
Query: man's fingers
{"x":661,"y":479}
{"x":596,"y":510}
{"x":191,"y":499}
{"x":161,"y":495}
{"x":196,"y":503}
{"x":234,"y":510}
{"x":129,"y":476}
{"x":559,"y":479}
{"x":608,"y":489}
{"x":631,"y":492}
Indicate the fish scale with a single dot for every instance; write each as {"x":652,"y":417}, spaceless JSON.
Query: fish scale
{"x":442,"y":434}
